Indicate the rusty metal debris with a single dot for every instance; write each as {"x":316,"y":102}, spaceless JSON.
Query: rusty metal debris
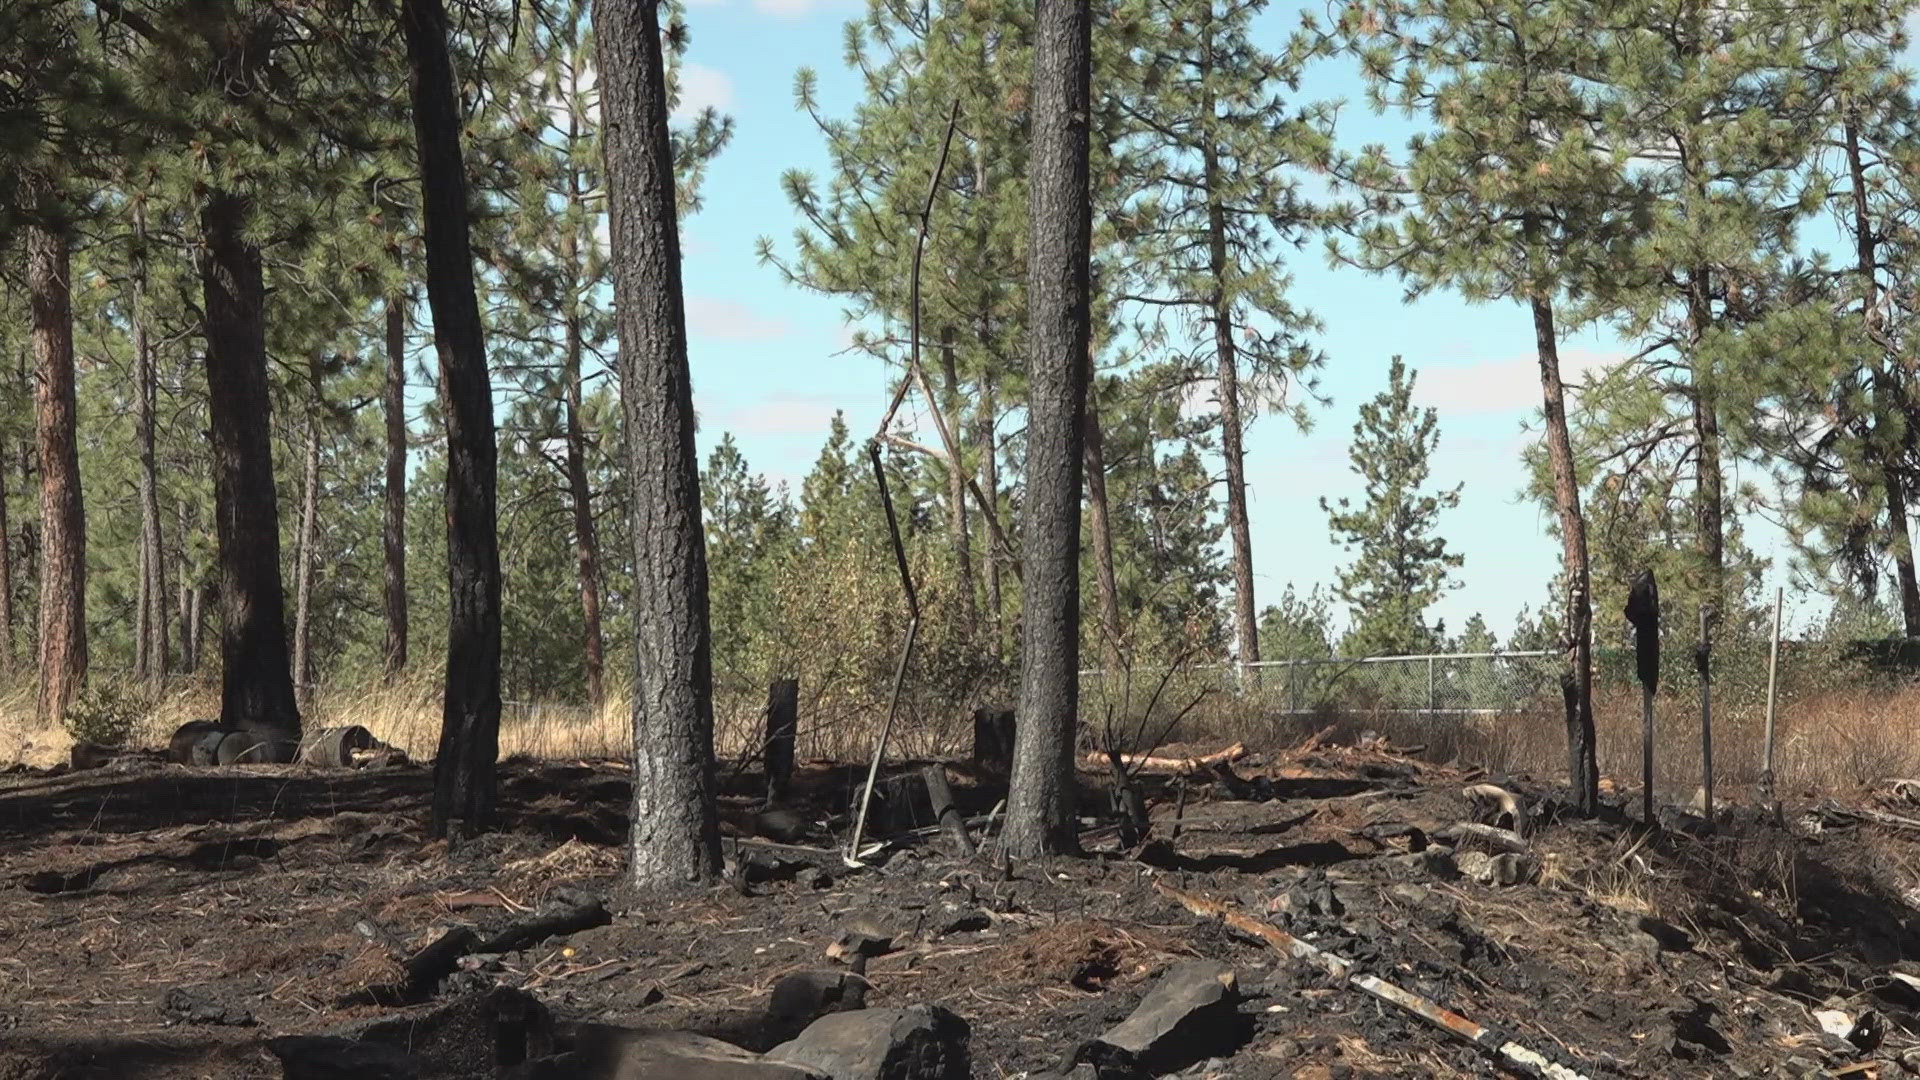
{"x":1510,"y":1053}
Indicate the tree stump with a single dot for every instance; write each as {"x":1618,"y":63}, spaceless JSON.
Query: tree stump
{"x":941,"y":798}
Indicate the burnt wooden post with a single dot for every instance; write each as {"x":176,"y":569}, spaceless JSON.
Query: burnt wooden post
{"x":993,"y":738}
{"x":783,"y":718}
{"x":1703,"y":661}
{"x":1643,"y":611}
{"x":940,"y":797}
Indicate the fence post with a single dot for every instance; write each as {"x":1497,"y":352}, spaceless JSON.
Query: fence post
{"x":1643,"y":611}
{"x":1704,"y":661}
{"x":1433,"y":700}
{"x":783,"y":721}
{"x":1773,"y":670}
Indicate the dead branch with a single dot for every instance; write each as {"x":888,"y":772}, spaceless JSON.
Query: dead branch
{"x":1503,"y":839}
{"x":1150,"y":763}
{"x":1510,"y":1053}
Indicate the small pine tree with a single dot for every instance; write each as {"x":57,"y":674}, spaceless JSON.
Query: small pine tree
{"x":1402,"y":565}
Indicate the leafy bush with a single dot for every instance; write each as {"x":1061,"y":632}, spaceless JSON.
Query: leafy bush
{"x":106,"y":712}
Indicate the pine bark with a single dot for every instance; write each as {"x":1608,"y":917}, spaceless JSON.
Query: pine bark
{"x":1709,"y":480}
{"x":150,"y":653}
{"x":464,"y":780}
{"x":63,"y":552}
{"x":1577,"y":678}
{"x":1040,"y":810}
{"x":309,"y":522}
{"x":394,"y":535}
{"x":675,"y":833}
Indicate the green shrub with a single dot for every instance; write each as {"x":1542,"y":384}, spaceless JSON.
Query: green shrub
{"x":106,"y":712}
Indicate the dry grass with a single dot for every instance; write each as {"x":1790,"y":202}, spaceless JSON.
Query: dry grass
{"x":1837,"y":740}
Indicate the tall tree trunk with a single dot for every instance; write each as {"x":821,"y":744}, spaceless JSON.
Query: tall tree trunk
{"x":675,"y":834}
{"x":1246,"y":619}
{"x":464,"y":781}
{"x":957,"y":485}
{"x":63,"y":527}
{"x":1040,"y":817}
{"x":6,"y":570}
{"x":189,"y":636}
{"x":150,"y":653}
{"x":394,"y":535}
{"x":309,"y":522}
{"x":196,"y":622}
{"x":1889,"y":454}
{"x":1100,"y":521}
{"x":256,"y":677}
{"x":990,"y":486}
{"x":586,"y":542}
{"x":1577,"y":679}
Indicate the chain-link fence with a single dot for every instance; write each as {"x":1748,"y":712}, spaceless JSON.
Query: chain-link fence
{"x":1434,"y":686}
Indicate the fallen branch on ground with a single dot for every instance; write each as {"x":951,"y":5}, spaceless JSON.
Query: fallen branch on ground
{"x":1148,"y":762}
{"x":1502,"y":839}
{"x":1506,"y":1051}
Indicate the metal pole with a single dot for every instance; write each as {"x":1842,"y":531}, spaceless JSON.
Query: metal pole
{"x":1433,"y":701}
{"x":1773,"y":670}
{"x":1646,"y":753}
{"x":1705,"y":662}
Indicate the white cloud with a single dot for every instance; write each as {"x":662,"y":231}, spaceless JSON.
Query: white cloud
{"x":716,"y":319}
{"x":1500,"y":386}
{"x":702,"y":87}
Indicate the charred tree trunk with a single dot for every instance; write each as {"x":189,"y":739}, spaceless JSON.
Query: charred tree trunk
{"x":63,"y":529}
{"x":1102,"y":525}
{"x":463,"y":774}
{"x":675,"y":833}
{"x":586,"y":542}
{"x":394,"y":537}
{"x":957,"y":486}
{"x":1040,"y":818}
{"x":1576,"y":681}
{"x":309,"y":522}
{"x":256,"y":677}
{"x":150,"y":651}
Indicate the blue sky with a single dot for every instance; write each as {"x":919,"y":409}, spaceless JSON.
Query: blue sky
{"x":765,"y":366}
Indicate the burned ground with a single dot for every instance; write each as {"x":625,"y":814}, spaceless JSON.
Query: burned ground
{"x":166,"y":921}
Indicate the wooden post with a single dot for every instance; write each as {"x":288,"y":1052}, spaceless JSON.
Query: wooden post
{"x":1703,"y":659}
{"x":940,"y":796}
{"x":783,"y":717}
{"x":1773,"y":671}
{"x":993,"y":738}
{"x":1643,"y":612}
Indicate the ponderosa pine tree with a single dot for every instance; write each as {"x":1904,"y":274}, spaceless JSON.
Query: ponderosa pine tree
{"x":675,"y":840}
{"x":1403,"y":563}
{"x":1219,"y":152}
{"x":393,"y":536}
{"x":1512,"y":196}
{"x":464,"y":786}
{"x":63,"y":528}
{"x":1040,"y":816}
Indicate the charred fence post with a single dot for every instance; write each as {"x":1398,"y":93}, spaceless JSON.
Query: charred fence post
{"x":1703,"y":662}
{"x":783,"y":720}
{"x":940,"y":797}
{"x":1643,"y":611}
